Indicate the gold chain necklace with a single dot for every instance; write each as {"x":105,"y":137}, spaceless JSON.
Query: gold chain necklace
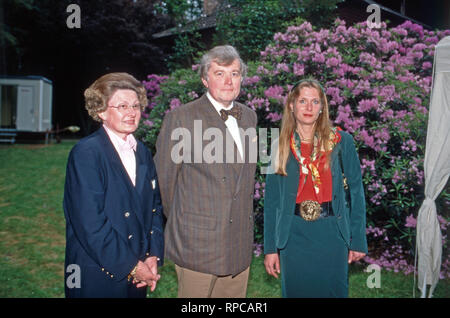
{"x":303,"y":138}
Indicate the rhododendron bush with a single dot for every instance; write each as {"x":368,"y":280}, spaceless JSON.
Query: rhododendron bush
{"x":378,"y":83}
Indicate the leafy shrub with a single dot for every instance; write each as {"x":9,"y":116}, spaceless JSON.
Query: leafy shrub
{"x":251,"y":26}
{"x":378,"y":83}
{"x":252,"y":23}
{"x":184,"y":15}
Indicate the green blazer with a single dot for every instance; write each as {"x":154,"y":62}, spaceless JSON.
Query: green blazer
{"x":281,"y":193}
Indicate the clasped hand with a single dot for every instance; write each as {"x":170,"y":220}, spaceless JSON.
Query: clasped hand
{"x":147,"y":273}
{"x":272,"y":261}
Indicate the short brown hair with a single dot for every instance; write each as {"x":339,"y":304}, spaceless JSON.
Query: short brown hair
{"x":98,"y":94}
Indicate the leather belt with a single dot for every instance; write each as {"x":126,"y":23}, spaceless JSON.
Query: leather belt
{"x":321,"y":210}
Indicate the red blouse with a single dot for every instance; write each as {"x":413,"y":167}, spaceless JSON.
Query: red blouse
{"x":306,"y":189}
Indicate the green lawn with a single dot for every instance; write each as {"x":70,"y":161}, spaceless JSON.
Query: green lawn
{"x":32,"y":235}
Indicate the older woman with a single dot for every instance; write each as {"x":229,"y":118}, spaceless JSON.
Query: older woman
{"x":311,"y":229}
{"x":112,"y":204}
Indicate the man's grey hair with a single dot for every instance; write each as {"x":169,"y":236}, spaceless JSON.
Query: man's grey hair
{"x":223,"y":55}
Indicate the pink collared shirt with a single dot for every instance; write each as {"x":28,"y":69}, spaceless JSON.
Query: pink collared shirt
{"x":125,"y":149}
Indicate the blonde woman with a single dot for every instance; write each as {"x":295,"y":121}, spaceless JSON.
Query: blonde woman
{"x":312,"y":230}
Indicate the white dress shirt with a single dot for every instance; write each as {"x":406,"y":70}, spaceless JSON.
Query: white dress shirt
{"x":125,"y":149}
{"x":231,"y":123}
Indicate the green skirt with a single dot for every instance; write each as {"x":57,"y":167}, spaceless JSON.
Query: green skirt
{"x":314,"y":261}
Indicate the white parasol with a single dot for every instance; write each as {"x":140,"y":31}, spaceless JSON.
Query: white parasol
{"x":437,"y":171}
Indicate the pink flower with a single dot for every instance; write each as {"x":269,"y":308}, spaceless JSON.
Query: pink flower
{"x":318,"y":58}
{"x":149,"y":123}
{"x":366,"y":138}
{"x":193,"y":95}
{"x":298,"y":69}
{"x":274,"y":117}
{"x":262,"y":70}
{"x":368,"y":164}
{"x":258,"y":103}
{"x":251,"y":80}
{"x":174,"y":103}
{"x":283,"y":67}
{"x":332,"y":62}
{"x":366,"y":105}
{"x":426,"y":65}
{"x":275,"y":92}
{"x":411,"y":221}
{"x":443,"y":222}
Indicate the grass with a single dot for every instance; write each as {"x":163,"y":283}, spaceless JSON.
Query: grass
{"x":32,"y":235}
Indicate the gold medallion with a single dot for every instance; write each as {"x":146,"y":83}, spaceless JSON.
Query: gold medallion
{"x":310,"y":210}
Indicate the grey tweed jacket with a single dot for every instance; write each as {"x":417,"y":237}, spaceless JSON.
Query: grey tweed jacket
{"x":208,"y":205}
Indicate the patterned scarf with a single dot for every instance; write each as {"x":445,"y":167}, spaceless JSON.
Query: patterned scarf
{"x":310,"y":164}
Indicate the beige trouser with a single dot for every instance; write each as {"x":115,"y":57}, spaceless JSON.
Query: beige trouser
{"x":192,"y":284}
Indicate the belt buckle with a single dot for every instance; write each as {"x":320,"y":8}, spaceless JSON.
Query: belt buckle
{"x":310,"y":210}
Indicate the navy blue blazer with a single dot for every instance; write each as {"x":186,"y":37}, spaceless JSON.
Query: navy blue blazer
{"x":110,"y":224}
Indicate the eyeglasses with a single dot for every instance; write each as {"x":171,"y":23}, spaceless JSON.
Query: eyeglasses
{"x":122,"y":108}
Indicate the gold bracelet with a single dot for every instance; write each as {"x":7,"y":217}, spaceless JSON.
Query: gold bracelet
{"x":132,"y":273}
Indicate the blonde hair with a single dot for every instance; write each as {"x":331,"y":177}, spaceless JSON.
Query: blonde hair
{"x":322,"y":127}
{"x":98,"y":94}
